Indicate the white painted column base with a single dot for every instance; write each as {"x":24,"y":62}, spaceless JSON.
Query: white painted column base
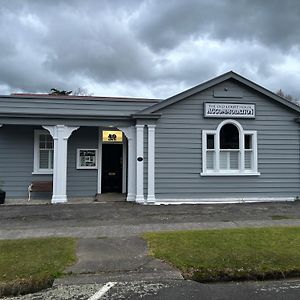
{"x":140,"y":199}
{"x":59,"y":199}
{"x":151,"y":199}
{"x":130,"y":197}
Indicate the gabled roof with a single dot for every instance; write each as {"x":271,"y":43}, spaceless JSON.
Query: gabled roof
{"x":215,"y":81}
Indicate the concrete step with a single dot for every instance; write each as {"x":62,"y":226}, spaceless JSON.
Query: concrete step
{"x":110,"y":197}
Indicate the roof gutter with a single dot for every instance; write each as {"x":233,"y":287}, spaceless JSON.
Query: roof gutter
{"x":146,"y":116}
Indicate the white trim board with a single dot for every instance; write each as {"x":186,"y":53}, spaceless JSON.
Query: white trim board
{"x":222,"y":200}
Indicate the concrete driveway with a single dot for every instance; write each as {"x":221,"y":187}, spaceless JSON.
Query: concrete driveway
{"x":126,"y":219}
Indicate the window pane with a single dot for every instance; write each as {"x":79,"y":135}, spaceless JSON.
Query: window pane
{"x":51,"y":153}
{"x":248,"y":141}
{"x":44,"y":159}
{"x":46,"y":141}
{"x":229,"y":137}
{"x":49,"y":144}
{"x":49,"y":138}
{"x":234,"y":160}
{"x":210,"y":141}
{"x":210,"y":155}
{"x":229,"y":160}
{"x":224,"y":157}
{"x":43,"y":137}
{"x":248,"y":160}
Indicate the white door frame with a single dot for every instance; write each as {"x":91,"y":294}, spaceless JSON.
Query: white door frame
{"x":124,"y":162}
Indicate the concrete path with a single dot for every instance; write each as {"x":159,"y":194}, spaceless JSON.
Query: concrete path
{"x":133,"y":230}
{"x":116,"y":259}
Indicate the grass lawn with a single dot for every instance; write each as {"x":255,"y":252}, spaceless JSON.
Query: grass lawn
{"x":230,"y":254}
{"x":33,"y":263}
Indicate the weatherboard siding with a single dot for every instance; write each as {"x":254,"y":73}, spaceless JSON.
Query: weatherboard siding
{"x":16,"y":160}
{"x":179,"y":149}
{"x":80,"y":182}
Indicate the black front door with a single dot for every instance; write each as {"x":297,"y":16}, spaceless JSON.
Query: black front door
{"x":112,"y":168}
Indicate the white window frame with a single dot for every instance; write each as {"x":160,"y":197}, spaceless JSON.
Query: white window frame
{"x":80,"y":167}
{"x":36,"y":153}
{"x":241,"y":171}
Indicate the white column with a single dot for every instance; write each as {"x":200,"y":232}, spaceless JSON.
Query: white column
{"x":151,"y":164}
{"x":130,"y":134}
{"x":60,"y":134}
{"x":139,"y":164}
{"x":99,"y":187}
{"x":124,"y":163}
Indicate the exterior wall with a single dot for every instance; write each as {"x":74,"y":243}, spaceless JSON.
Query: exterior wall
{"x":81,"y":183}
{"x":179,"y":149}
{"x":16,"y":162}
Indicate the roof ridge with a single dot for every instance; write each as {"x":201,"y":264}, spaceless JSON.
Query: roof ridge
{"x":74,"y":97}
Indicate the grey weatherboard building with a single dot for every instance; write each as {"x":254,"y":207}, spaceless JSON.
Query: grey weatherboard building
{"x":226,"y":140}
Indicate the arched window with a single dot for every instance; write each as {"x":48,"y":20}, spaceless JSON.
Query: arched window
{"x":229,"y":137}
{"x":229,"y":147}
{"x":229,"y":150}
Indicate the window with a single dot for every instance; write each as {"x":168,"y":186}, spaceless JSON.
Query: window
{"x":229,"y":150}
{"x":43,"y":152}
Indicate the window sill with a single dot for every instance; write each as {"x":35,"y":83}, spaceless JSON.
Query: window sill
{"x":230,"y":174}
{"x":42,"y":173}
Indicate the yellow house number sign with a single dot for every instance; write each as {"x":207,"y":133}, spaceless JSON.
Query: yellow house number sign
{"x":112,"y":136}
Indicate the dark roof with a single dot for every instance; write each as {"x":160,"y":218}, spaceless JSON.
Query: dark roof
{"x":71,"y":97}
{"x":215,"y":81}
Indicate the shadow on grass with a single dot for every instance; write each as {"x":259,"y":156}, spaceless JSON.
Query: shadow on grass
{"x":282,"y":217}
{"x":198,"y":276}
{"x":24,"y":286}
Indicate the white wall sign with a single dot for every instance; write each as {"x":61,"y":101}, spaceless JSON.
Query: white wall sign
{"x":86,"y":158}
{"x":229,"y":110}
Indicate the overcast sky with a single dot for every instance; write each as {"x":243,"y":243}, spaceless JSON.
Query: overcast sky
{"x":147,"y":48}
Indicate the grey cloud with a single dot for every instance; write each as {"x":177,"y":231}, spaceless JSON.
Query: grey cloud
{"x":169,"y":23}
{"x":152,"y":47}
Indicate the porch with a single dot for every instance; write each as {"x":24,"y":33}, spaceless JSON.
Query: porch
{"x":80,"y":161}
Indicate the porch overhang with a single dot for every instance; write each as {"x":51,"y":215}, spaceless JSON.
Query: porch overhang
{"x":70,"y":120}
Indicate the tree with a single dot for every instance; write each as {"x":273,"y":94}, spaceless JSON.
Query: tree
{"x":82,"y":92}
{"x":288,"y":97}
{"x":55,"y":92}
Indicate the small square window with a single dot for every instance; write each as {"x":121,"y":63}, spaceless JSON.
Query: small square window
{"x":210,"y":141}
{"x":248,"y":141}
